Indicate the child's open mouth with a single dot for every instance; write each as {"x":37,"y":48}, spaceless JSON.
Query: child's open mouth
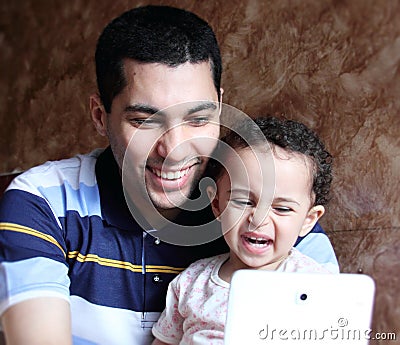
{"x":258,"y":241}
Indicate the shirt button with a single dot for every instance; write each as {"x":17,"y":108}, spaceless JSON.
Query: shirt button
{"x":157,"y":279}
{"x":157,"y":241}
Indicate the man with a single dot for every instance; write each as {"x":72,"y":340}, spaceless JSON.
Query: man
{"x":74,"y":259}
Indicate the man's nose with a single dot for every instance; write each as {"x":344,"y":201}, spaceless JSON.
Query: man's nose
{"x":174,"y":143}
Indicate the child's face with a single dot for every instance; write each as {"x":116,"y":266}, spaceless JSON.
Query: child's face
{"x":261,"y":226}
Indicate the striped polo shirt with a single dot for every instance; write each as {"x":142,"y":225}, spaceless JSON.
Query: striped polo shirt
{"x":66,"y":231}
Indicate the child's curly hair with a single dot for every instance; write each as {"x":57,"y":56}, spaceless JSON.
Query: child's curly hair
{"x":289,"y":135}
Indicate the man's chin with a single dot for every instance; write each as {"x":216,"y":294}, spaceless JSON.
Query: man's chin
{"x":168,"y":199}
{"x":168,"y":202}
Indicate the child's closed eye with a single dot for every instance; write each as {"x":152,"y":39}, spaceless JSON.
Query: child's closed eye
{"x":282,"y":209}
{"x":241,"y":202}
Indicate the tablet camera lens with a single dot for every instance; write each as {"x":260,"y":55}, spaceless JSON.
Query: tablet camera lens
{"x":303,"y":296}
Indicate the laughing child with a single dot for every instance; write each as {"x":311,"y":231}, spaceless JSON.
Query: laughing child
{"x":272,"y":179}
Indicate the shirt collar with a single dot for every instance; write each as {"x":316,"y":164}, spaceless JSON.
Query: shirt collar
{"x":114,"y":209}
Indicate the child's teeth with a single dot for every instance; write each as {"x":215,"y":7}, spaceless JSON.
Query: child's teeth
{"x":258,"y":241}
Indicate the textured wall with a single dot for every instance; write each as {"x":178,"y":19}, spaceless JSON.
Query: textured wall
{"x":332,"y":64}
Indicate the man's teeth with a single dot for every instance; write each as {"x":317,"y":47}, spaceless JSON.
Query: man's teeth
{"x":170,"y":175}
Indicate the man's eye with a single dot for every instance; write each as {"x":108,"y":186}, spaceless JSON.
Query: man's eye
{"x":145,"y":122}
{"x":198,"y":121}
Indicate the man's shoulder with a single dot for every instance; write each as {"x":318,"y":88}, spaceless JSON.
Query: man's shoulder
{"x":316,"y":244}
{"x":74,"y":171}
{"x":58,"y":186}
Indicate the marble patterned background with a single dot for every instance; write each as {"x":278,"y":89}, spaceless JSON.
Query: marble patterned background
{"x":333,"y":64}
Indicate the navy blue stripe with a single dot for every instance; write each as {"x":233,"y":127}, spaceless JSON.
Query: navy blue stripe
{"x":26,"y":209}
{"x":120,"y":287}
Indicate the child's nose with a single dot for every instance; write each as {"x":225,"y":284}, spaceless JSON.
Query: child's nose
{"x":258,"y":218}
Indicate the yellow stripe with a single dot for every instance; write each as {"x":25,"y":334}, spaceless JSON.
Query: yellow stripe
{"x":177,"y":271}
{"x":166,"y":269}
{"x":90,"y":257}
{"x":121,"y":264}
{"x":30,"y":231}
{"x":103,"y":261}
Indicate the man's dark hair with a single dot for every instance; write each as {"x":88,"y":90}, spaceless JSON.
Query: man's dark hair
{"x":289,"y":135}
{"x":153,"y":34}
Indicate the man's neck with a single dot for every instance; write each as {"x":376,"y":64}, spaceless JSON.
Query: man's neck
{"x":170,"y":214}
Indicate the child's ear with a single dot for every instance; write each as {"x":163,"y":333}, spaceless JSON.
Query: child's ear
{"x":212,"y":195}
{"x":315,"y":213}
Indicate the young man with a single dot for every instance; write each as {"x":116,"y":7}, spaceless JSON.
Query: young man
{"x":73,"y":258}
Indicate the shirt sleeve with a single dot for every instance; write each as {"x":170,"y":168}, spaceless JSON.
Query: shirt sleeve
{"x":32,"y":248}
{"x":31,"y":278}
{"x":169,"y":327}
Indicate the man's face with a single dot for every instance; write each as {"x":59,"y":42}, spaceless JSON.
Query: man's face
{"x":168,"y":151}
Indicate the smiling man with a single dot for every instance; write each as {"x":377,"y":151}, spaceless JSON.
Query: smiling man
{"x":165,"y":154}
{"x":76,"y":265}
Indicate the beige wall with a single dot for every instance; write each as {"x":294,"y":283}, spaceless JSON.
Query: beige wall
{"x":333,"y":64}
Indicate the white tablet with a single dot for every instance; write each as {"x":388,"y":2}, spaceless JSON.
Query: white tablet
{"x":295,"y":308}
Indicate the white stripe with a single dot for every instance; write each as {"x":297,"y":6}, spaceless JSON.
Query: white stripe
{"x":85,"y":200}
{"x":58,"y":185}
{"x":36,"y":277}
{"x":54,"y":173}
{"x":106,"y":325}
{"x":5,"y":304}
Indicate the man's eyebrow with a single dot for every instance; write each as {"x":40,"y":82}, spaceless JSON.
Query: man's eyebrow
{"x":142,"y":108}
{"x":148,"y":109}
{"x":202,"y":106}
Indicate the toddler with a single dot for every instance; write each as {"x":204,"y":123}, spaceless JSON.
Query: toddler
{"x":261,"y":222}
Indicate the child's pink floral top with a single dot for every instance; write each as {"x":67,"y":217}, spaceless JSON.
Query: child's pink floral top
{"x":197,"y":300}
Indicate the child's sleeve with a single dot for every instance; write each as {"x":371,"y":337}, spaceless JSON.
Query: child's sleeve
{"x":169,"y":327}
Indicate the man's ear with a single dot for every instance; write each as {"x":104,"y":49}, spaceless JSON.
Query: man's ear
{"x":315,"y":213}
{"x":213,"y":196}
{"x":98,"y":114}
